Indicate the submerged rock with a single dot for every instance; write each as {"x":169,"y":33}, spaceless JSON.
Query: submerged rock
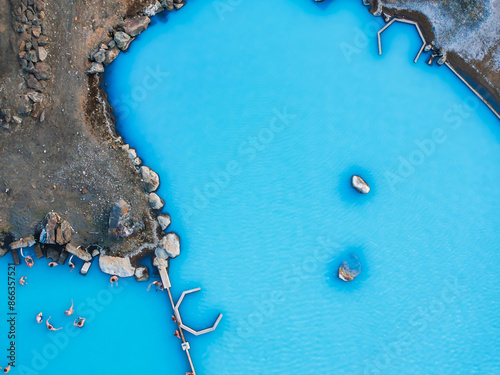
{"x":120,"y":220}
{"x":349,"y":269}
{"x":151,"y":179}
{"x":360,"y":185}
{"x":116,"y":266}
{"x":169,"y":246}
{"x":164,"y":221}
{"x":155,"y":202}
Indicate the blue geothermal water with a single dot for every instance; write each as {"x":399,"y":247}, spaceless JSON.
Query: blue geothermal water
{"x":256,"y":114}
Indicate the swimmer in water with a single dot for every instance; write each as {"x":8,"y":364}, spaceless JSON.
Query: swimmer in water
{"x":157,"y":283}
{"x":29,"y":261}
{"x":6,"y":370}
{"x":176,"y":334}
{"x":113,"y":279}
{"x":39,"y":318}
{"x":71,"y":264}
{"x":52,"y":264}
{"x":70,"y":311}
{"x":22,"y":280}
{"x":50,"y":326}
{"x":79,"y":323}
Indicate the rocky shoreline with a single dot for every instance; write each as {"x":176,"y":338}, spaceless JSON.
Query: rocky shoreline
{"x":59,"y":146}
{"x":119,"y":216}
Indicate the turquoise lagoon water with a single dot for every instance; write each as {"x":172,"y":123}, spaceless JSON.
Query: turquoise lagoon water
{"x":256,"y":114}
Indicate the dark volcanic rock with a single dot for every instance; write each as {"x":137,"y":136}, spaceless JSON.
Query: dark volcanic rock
{"x":53,"y":253}
{"x":63,"y":233}
{"x":120,"y":220}
{"x":48,"y":235}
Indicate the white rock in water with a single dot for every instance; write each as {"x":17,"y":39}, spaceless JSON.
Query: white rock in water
{"x":360,"y":185}
{"x":142,"y":273}
{"x":116,"y":266}
{"x":85,"y":268}
{"x":164,"y":221}
{"x":151,"y":179}
{"x":155,"y":202}
{"x":169,"y":246}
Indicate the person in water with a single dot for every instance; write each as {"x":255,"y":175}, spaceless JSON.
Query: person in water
{"x":176,"y":334}
{"x":113,"y":279}
{"x":29,"y":261}
{"x":52,"y":264}
{"x":50,"y":326}
{"x":70,"y":311}
{"x":157,"y":283}
{"x":173,"y":319}
{"x":79,"y":323}
{"x":22,"y":280}
{"x":71,"y":264}
{"x":39,"y":318}
{"x":6,"y":370}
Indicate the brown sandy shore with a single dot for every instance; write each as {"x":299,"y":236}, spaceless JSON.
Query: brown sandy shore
{"x":60,"y":152}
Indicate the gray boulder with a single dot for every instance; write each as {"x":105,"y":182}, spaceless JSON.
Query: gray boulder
{"x":116,"y":266}
{"x":120,"y":220}
{"x":349,"y":269}
{"x":96,"y":67}
{"x":142,"y":273}
{"x":111,"y":55}
{"x":151,"y":179}
{"x":78,"y":252}
{"x":360,"y":185}
{"x":23,"y":243}
{"x":99,"y":56}
{"x":169,"y":246}
{"x":155,"y":202}
{"x":164,"y":221}
{"x":35,"y":97}
{"x":122,"y":40}
{"x":134,"y":27}
{"x":41,"y":53}
{"x":85,"y":268}
{"x":3,"y":251}
{"x":42,"y":70}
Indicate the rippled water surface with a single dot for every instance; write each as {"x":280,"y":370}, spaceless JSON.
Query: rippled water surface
{"x":255,"y":114}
